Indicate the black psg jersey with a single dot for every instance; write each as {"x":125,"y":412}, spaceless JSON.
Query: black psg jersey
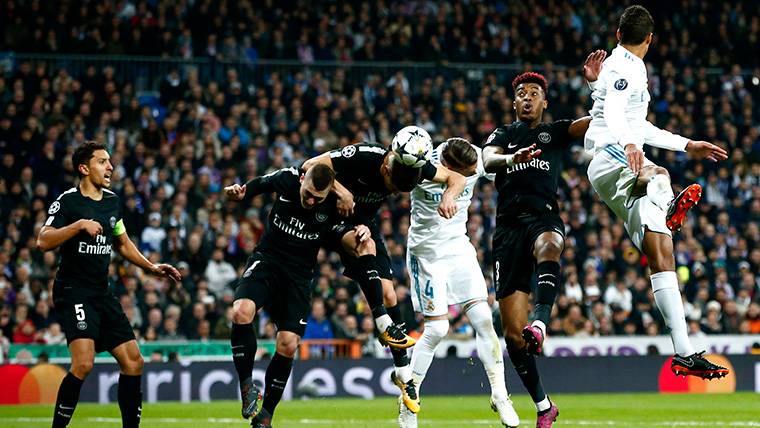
{"x":294,"y":233}
{"x":531,"y":186}
{"x":357,"y":167}
{"x":84,"y":260}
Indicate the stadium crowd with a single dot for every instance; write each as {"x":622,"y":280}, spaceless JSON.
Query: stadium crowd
{"x":170,"y":168}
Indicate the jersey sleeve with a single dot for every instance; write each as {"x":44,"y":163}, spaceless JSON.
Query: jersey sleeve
{"x":354,"y":160}
{"x":119,"y":228}
{"x":276,"y":181}
{"x":618,"y":93}
{"x":498,"y":138}
{"x":58,"y":214}
{"x":428,"y":171}
{"x":664,"y":139}
{"x":562,"y":131}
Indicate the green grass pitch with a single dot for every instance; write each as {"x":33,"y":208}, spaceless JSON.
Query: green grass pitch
{"x":576,"y":410}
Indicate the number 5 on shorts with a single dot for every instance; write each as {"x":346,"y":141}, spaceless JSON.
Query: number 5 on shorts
{"x":79,"y":311}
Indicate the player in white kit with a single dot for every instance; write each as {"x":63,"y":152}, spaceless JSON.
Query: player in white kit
{"x":638,"y":191}
{"x":444,"y":271}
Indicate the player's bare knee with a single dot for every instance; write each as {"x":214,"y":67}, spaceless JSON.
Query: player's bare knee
{"x":82,"y":368}
{"x":287,"y":345}
{"x":134,"y":365}
{"x":366,"y":248}
{"x":660,"y":170}
{"x":243,"y":311}
{"x":548,"y":250}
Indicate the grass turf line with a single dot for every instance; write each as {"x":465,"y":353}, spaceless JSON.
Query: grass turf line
{"x":577,"y":410}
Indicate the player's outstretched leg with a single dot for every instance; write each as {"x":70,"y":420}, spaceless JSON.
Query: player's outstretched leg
{"x":547,"y":251}
{"x":514,"y":315}
{"x":667,"y":295}
{"x":278,"y":373}
{"x":489,"y":352}
{"x":129,"y":395}
{"x":244,"y":344}
{"x":363,"y":260}
{"x":82,"y":359}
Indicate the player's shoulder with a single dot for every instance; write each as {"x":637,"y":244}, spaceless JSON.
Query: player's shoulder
{"x":71,"y":197}
{"x":500,"y":133}
{"x":364,"y":148}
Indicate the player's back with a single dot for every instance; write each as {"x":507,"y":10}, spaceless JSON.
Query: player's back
{"x":84,"y":259}
{"x":427,"y":228}
{"x":623,"y":75}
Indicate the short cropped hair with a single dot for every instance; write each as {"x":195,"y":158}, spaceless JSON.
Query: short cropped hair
{"x":83,"y":154}
{"x":530,"y":77}
{"x":321,"y":176}
{"x":636,"y":24}
{"x":459,"y":153}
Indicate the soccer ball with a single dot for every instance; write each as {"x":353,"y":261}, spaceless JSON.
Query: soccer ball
{"x":412,"y":146}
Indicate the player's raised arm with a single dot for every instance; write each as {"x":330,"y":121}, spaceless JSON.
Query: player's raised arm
{"x":264,"y":184}
{"x":664,"y":139}
{"x":345,"y":202}
{"x":124,"y":246}
{"x":578,"y":128}
{"x":593,"y":66}
{"x":455,"y":183}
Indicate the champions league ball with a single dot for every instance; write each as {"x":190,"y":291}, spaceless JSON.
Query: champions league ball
{"x":412,"y":146}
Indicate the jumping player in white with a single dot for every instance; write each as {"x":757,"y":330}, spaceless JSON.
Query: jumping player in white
{"x":444,"y":269}
{"x":637,"y":190}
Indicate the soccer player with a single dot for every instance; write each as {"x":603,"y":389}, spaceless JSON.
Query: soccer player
{"x":279,"y":272}
{"x":529,"y":234}
{"x":85,"y":222}
{"x":366,"y":174}
{"x":445,"y":271}
{"x":637,"y":190}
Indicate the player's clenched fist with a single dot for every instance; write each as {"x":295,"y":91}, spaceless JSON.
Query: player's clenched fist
{"x":235,"y":192}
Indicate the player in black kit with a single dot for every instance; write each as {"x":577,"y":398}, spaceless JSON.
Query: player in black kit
{"x":529,"y":235}
{"x":86,"y":223}
{"x":279,"y":272}
{"x":366,"y":174}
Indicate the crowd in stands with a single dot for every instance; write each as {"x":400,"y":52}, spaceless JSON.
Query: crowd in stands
{"x":712,"y":34}
{"x":169,"y":169}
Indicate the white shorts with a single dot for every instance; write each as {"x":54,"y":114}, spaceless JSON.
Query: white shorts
{"x":447,"y":276}
{"x":613,"y":181}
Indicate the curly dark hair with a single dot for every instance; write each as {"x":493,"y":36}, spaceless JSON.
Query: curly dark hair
{"x":530,"y":77}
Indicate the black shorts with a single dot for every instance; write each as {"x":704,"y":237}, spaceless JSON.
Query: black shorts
{"x":351,"y":266}
{"x":286,"y":298}
{"x":513,"y":241}
{"x":86,"y":314}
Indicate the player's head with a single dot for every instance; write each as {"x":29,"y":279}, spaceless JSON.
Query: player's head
{"x":315,"y":185}
{"x":530,"y":96}
{"x":397,"y":176}
{"x":459,"y":156}
{"x":93,"y":163}
{"x":636,"y":27}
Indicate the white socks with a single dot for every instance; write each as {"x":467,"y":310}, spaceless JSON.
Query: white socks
{"x":489,"y":348}
{"x":422,"y":355}
{"x":383,"y":322}
{"x":659,"y":191}
{"x":667,"y":295}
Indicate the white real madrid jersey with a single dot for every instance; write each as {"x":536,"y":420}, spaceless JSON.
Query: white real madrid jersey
{"x":427,"y":228}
